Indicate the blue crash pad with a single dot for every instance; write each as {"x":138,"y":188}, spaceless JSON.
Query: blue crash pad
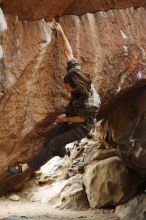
{"x":16,"y":218}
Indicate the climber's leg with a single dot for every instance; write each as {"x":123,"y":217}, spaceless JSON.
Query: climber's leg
{"x":56,"y":146}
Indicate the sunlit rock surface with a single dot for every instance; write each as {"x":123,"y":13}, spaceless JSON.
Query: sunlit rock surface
{"x":56,"y":169}
{"x":106,"y":179}
{"x":62,"y":194}
{"x":108,"y":182}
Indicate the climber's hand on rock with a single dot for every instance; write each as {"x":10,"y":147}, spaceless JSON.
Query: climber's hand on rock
{"x":57,"y":27}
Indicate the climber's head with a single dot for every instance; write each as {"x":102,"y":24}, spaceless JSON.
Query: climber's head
{"x":76,"y":80}
{"x":69,"y":83}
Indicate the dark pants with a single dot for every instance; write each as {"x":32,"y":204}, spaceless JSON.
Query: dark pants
{"x":56,"y":140}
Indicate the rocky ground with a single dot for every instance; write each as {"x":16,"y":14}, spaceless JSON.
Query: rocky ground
{"x":20,"y":204}
{"x":56,"y":192}
{"x":91,"y":182}
{"x":45,"y":212}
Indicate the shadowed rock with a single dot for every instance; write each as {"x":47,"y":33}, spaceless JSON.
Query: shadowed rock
{"x":134,"y":209}
{"x":125,"y":125}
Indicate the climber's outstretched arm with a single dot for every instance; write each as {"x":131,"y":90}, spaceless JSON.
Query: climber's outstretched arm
{"x":66,"y":44}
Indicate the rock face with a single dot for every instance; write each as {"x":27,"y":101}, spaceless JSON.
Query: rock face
{"x":35,"y":9}
{"x":125,"y":127}
{"x":110,"y":45}
{"x":34,"y":83}
{"x":92,"y":174}
{"x":134,"y":209}
{"x":59,"y":190}
{"x":3,"y":24}
{"x":108,"y":182}
{"x":54,"y":170}
{"x":19,"y":66}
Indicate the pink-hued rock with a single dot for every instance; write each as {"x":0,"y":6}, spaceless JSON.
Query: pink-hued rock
{"x":109,"y":45}
{"x":36,"y":91}
{"x":36,"y":9}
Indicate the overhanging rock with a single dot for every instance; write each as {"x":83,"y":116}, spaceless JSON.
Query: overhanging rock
{"x":36,"y":9}
{"x":125,"y":125}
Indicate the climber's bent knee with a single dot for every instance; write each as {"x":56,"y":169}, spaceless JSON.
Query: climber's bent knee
{"x":55,"y":147}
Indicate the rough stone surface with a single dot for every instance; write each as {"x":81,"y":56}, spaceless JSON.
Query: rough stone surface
{"x":63,"y":194}
{"x":36,"y":9}
{"x":59,"y":172}
{"x":108,"y":182}
{"x":3,"y":24}
{"x":14,"y":197}
{"x":28,"y":83}
{"x":55,"y":170}
{"x":134,"y":209}
{"x":110,"y":46}
{"x":125,"y":127}
{"x":38,"y":93}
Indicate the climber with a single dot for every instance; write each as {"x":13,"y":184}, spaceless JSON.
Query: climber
{"x":78,"y":119}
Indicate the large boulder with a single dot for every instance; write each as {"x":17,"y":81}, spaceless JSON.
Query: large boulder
{"x":125,"y":126}
{"x":108,"y":182}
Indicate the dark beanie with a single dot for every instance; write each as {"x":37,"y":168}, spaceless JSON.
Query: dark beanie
{"x":69,"y":79}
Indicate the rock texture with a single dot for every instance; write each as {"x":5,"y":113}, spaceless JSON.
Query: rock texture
{"x":134,"y":209}
{"x":92,"y":174}
{"x":21,"y":82}
{"x":56,"y":188}
{"x":35,"y":84}
{"x":108,"y":182}
{"x":126,"y":125}
{"x":54,"y":170}
{"x":110,"y":45}
{"x":32,"y":9}
{"x":3,"y":23}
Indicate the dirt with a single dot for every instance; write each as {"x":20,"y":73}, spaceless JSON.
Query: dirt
{"x":43,"y":211}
